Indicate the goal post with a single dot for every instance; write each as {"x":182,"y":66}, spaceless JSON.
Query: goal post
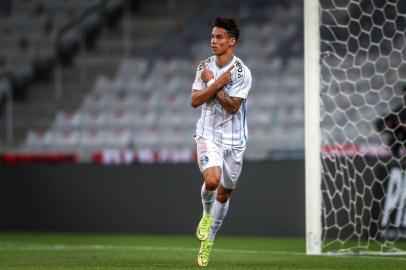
{"x":312,"y":127}
{"x":355,"y":126}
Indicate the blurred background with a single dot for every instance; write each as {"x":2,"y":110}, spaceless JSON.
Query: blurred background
{"x":97,"y":130}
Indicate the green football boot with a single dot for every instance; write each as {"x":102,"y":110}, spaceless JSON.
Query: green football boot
{"x":204,"y":252}
{"x":203,"y":229}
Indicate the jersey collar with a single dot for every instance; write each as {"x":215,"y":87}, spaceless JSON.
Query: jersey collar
{"x":220,"y":68}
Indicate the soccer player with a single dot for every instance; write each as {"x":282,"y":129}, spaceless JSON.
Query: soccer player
{"x":221,"y":85}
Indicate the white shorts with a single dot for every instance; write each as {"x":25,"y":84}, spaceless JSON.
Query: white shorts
{"x":211,"y":154}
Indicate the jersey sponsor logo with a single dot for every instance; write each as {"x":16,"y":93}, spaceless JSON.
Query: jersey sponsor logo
{"x":240,"y":69}
{"x":204,"y":160}
{"x":203,"y":63}
{"x":238,"y":75}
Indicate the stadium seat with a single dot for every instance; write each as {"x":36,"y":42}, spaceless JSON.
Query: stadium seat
{"x":65,"y":140}
{"x":92,"y":140}
{"x":174,"y":100}
{"x":262,"y":99}
{"x":119,"y":138}
{"x":120,"y":119}
{"x":94,"y":119}
{"x":122,"y":101}
{"x":177,"y":117}
{"x":146,"y":138}
{"x":146,"y":99}
{"x":96,"y":101}
{"x":260,"y":116}
{"x":68,"y":120}
{"x":144,"y":118}
{"x":132,"y":67}
{"x":107,"y":83}
{"x":134,"y":83}
{"x":39,"y":141}
{"x":177,"y":137}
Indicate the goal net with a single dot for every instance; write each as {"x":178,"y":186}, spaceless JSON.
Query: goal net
{"x":356,"y":194}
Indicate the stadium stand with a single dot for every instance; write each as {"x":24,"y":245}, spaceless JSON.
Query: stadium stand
{"x":41,"y":40}
{"x":31,"y":34}
{"x":145,"y":104}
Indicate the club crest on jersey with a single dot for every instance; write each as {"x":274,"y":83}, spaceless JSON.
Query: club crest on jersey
{"x":204,"y":160}
{"x":228,"y":86}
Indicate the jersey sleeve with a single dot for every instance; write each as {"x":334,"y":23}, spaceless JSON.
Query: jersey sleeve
{"x":242,"y":86}
{"x":198,"y":83}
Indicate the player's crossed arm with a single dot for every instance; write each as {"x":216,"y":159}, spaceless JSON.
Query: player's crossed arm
{"x":230,"y":104}
{"x":200,"y":97}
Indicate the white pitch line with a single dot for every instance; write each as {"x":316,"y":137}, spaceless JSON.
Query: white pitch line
{"x":9,"y":246}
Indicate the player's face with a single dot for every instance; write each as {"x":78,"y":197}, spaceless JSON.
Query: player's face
{"x":221,"y":41}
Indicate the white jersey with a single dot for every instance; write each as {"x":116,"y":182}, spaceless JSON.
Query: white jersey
{"x":215,"y":122}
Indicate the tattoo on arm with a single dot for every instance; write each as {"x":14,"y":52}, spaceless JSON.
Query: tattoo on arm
{"x":230,"y":104}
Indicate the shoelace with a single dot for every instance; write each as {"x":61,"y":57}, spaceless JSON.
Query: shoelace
{"x":206,"y":250}
{"x":206,"y":223}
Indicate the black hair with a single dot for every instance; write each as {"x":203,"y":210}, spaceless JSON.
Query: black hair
{"x":229,"y":24}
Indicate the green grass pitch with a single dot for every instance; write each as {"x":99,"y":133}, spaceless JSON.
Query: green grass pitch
{"x":110,"y":251}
